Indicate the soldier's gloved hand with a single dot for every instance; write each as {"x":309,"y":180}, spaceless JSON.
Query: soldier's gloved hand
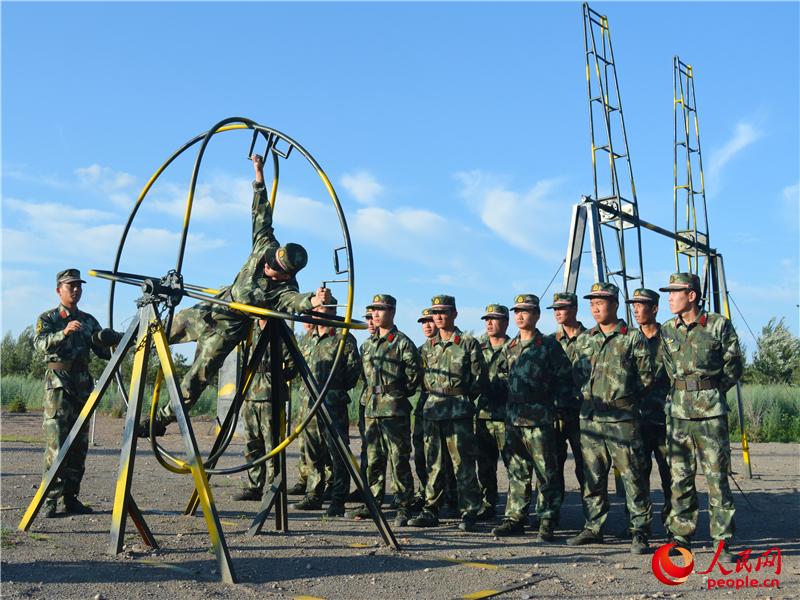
{"x":107,"y":337}
{"x":143,"y":430}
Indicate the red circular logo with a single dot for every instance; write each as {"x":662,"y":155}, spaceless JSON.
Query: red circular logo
{"x":667,"y":571}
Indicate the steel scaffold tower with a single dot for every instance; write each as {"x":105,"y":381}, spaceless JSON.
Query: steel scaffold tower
{"x":689,"y":192}
{"x":614,"y":188}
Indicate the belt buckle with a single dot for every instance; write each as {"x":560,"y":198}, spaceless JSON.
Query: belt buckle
{"x":692,"y":386}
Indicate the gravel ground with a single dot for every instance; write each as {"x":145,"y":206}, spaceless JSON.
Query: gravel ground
{"x":67,"y":557}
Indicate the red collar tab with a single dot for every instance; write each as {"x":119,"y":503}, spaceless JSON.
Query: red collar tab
{"x":484,"y":345}
{"x":538,"y":341}
{"x":63,"y":314}
{"x":390,"y":337}
{"x":456,"y":339}
{"x":331,"y":331}
{"x":623,"y":329}
{"x":703,"y":319}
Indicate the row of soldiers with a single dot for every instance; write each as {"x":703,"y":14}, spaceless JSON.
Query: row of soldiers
{"x":615,"y":395}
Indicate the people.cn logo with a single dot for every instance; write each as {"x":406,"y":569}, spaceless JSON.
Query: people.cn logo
{"x":667,"y":571}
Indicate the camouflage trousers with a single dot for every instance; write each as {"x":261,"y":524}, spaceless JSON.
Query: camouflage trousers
{"x":389,"y":440}
{"x":567,"y":428}
{"x":654,"y":437}
{"x":620,"y":443}
{"x":706,"y":439}
{"x":491,"y":438}
{"x":216,"y":334}
{"x":61,"y":410}
{"x":418,"y":437}
{"x":321,"y":453}
{"x":258,"y":441}
{"x":531,"y":450}
{"x":456,"y":437}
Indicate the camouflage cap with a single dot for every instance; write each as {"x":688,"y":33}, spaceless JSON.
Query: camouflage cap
{"x":68,"y":276}
{"x":289,"y":258}
{"x":526,"y":302}
{"x":368,"y":314}
{"x":496,"y":311}
{"x":644,"y":295}
{"x":564,"y":300}
{"x":382,"y":301}
{"x":427,"y":315}
{"x":603,"y":290}
{"x":682,"y":282}
{"x":442,"y":301}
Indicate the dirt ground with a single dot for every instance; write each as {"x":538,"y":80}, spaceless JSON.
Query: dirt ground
{"x":67,"y":557}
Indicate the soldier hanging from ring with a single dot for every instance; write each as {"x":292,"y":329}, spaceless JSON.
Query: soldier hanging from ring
{"x":266,"y":280}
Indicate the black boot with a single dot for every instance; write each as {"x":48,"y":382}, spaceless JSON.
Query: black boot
{"x":75,"y":507}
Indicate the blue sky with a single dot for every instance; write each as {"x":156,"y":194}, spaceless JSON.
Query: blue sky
{"x":456,"y":136}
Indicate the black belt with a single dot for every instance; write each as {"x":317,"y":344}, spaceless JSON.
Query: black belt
{"x":695,"y":385}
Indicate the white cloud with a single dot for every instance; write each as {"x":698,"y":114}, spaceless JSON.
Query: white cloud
{"x":362,"y":185}
{"x":49,"y":211}
{"x":531,"y":221}
{"x":220,"y":197}
{"x":743,"y":136}
{"x":105,"y":181}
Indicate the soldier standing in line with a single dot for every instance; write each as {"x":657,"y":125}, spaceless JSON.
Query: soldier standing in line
{"x":323,"y":344}
{"x":266,"y":280}
{"x":418,"y":436}
{"x":613,"y":368}
{"x":257,"y":413}
{"x":364,"y":351}
{"x":65,"y":336}
{"x":490,"y":428}
{"x":454,"y":377}
{"x":392,"y":373}
{"x":703,"y":360}
{"x":568,"y":409}
{"x":539,"y":373}
{"x":299,"y":488}
{"x":651,"y":404}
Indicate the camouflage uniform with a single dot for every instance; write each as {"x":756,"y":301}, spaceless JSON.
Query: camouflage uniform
{"x":490,"y":428}
{"x":568,"y":409}
{"x":218,"y":329}
{"x":612,"y":370}
{"x":67,"y":386}
{"x":420,"y":458}
{"x":703,"y":361}
{"x":365,"y":351}
{"x":454,"y":377}
{"x":321,"y":352}
{"x":539,"y":374}
{"x":257,"y":413}
{"x":392,"y":374}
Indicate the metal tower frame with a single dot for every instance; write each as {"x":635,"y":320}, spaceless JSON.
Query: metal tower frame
{"x":614,"y":195}
{"x":689,"y":190}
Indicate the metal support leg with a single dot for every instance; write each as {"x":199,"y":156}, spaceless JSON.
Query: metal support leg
{"x":193,"y":460}
{"x":127,"y":457}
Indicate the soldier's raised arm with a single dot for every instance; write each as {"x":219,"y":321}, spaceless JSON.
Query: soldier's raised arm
{"x":263,"y":232}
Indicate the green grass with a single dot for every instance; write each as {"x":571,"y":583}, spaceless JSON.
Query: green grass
{"x":771,"y":413}
{"x":16,"y":388}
